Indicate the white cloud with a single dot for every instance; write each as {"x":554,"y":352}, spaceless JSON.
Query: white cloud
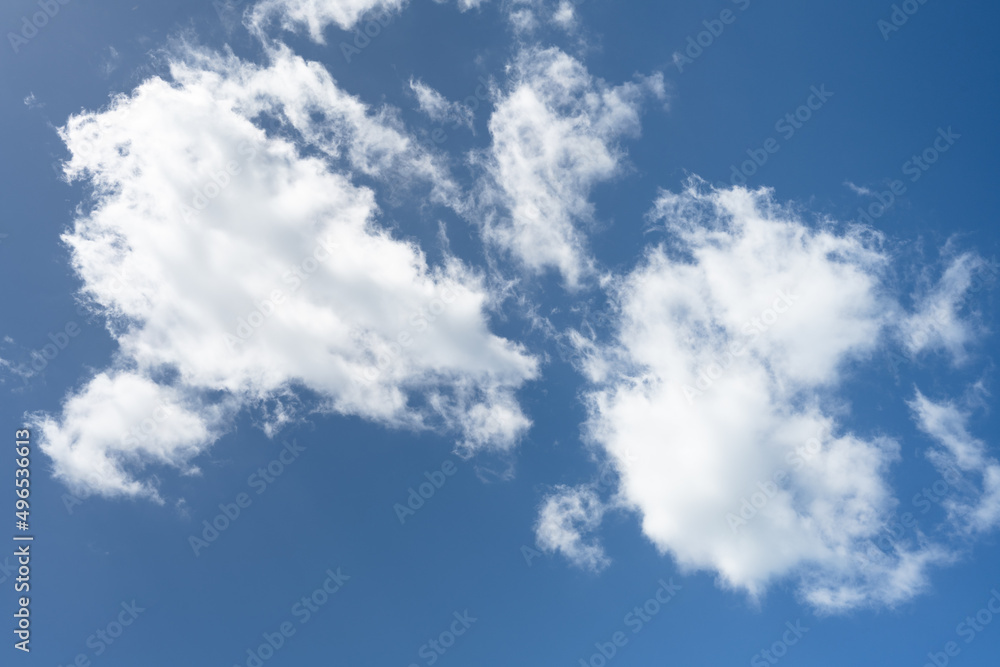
{"x":938,"y":323}
{"x":717,"y":402}
{"x":564,"y":517}
{"x":111,"y":61}
{"x":317,"y":15}
{"x":565,"y":15}
{"x":522,"y":19}
{"x":958,"y":450}
{"x":464,"y":5}
{"x":527,"y":16}
{"x":555,"y":135}
{"x":858,"y":189}
{"x":440,"y":109}
{"x":230,"y":261}
{"x":121,"y":423}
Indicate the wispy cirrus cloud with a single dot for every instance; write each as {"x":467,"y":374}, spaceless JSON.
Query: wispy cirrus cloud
{"x":940,"y":322}
{"x":555,"y":135}
{"x":976,"y":509}
{"x":440,"y":109}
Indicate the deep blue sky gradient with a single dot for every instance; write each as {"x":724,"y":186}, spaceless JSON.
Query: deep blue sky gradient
{"x":462,"y":551}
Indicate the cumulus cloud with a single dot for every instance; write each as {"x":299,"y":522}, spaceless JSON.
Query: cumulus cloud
{"x":958,"y":452}
{"x":565,"y":517}
{"x":732,"y":339}
{"x":440,"y":109}
{"x":121,"y":423}
{"x":555,"y":134}
{"x":242,"y":264}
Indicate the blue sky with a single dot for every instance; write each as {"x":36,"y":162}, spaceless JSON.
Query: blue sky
{"x":502,"y":240}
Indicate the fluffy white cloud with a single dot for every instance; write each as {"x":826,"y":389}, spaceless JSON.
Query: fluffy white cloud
{"x":555,"y":135}
{"x":230,"y":261}
{"x":317,"y":15}
{"x":717,"y":401}
{"x":565,"y":15}
{"x":563,"y":519}
{"x":440,"y":109}
{"x":978,"y":508}
{"x":121,"y":423}
{"x":527,"y":16}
